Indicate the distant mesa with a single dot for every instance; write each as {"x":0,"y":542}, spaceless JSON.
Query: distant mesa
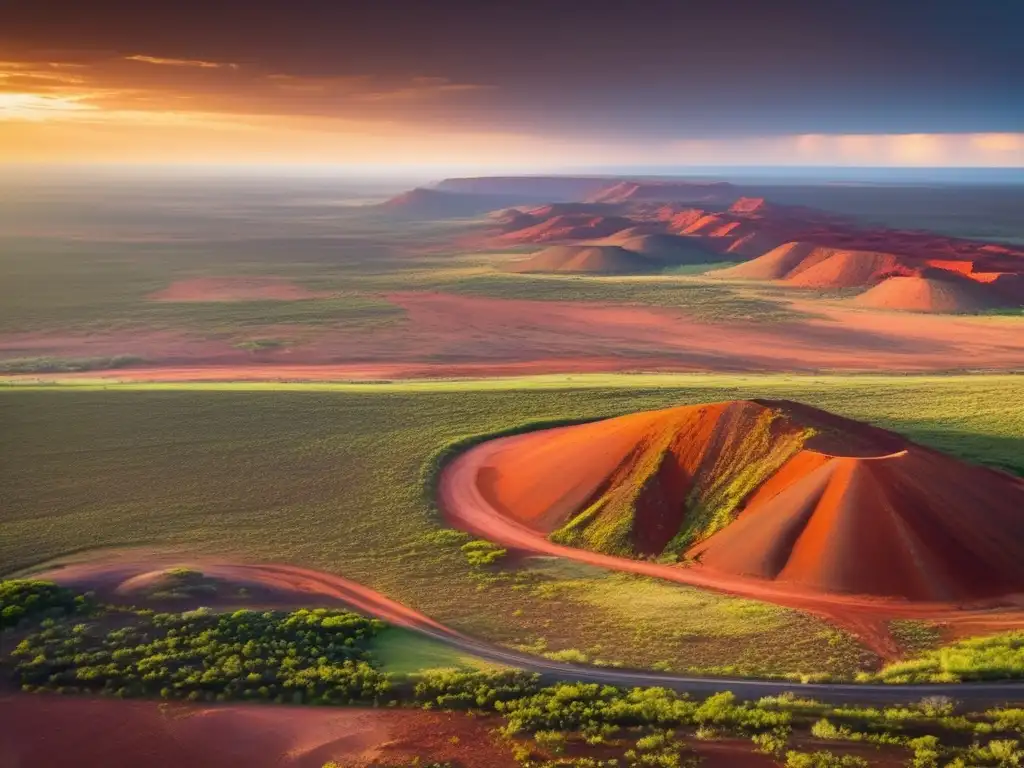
{"x":539,"y":188}
{"x":665,"y":191}
{"x":771,"y":490}
{"x":435,"y":204}
{"x":582,"y":259}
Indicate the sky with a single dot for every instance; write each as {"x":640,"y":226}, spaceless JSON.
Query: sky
{"x":525,"y":85}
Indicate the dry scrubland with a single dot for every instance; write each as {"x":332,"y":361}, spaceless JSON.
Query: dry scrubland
{"x":333,"y":476}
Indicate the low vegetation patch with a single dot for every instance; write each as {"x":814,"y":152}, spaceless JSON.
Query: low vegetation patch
{"x":995,"y":657}
{"x":341,"y":474}
{"x":67,"y":364}
{"x":23,"y":600}
{"x":327,"y":657}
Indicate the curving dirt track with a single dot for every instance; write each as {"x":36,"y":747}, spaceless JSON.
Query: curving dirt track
{"x":466,"y":507}
{"x":300,"y":587}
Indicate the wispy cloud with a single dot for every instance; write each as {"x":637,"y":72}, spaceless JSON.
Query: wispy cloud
{"x":35,"y":106}
{"x":192,"y":63}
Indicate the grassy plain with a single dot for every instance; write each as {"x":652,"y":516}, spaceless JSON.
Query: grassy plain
{"x":330,"y":476}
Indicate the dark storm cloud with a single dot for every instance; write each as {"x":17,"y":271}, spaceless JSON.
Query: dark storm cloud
{"x":628,"y":69}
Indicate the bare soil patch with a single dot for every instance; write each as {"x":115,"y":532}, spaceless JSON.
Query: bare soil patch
{"x":53,"y":731}
{"x":453,"y":335}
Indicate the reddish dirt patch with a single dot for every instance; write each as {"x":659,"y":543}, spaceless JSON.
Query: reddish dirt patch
{"x":455,"y":335}
{"x":235,"y":289}
{"x":53,"y":731}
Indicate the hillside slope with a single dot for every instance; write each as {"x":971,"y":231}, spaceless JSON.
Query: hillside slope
{"x":770,"y":490}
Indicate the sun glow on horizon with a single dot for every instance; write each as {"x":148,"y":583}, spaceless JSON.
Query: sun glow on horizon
{"x":152,"y":109}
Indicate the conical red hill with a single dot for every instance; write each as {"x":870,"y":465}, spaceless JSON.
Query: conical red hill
{"x":771,"y":490}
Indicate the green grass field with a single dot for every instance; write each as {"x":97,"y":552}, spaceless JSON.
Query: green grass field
{"x":330,"y":476}
{"x":353,"y":255}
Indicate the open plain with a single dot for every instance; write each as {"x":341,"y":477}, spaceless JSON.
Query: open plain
{"x":701,"y":437}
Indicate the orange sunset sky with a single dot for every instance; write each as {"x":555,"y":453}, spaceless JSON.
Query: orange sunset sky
{"x":330,"y":86}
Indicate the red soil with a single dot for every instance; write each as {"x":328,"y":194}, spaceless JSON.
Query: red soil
{"x":856,"y":510}
{"x":202,"y":289}
{"x":457,"y":335}
{"x":567,"y":227}
{"x":934,"y":292}
{"x":54,"y":731}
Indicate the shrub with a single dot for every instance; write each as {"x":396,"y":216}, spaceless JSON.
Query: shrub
{"x":772,"y":742}
{"x":480,"y":553}
{"x":823,"y":759}
{"x":22,"y":599}
{"x":551,"y":741}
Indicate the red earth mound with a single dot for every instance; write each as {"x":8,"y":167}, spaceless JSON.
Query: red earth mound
{"x":567,"y":227}
{"x":778,"y":263}
{"x":595,"y":259}
{"x":849,"y":269}
{"x":932,"y":291}
{"x":771,"y":490}
{"x":234,"y":289}
{"x":811,"y":266}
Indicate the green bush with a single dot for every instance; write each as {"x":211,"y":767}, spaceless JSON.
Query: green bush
{"x":978,"y":658}
{"x":480,"y":553}
{"x":551,"y":741}
{"x":22,"y":599}
{"x":772,"y":742}
{"x":823,"y":759}
{"x":306,"y":656}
